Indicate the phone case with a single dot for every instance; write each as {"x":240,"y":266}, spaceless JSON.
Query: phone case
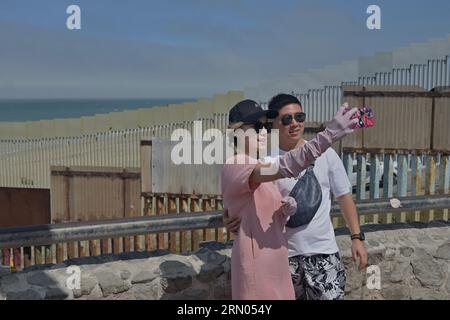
{"x":366,"y":118}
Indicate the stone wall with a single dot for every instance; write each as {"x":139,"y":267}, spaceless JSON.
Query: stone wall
{"x":414,"y":261}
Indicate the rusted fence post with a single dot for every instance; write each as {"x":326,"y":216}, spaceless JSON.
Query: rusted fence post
{"x":184,"y":236}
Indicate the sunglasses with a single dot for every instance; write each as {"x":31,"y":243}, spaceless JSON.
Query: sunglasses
{"x":287,"y":118}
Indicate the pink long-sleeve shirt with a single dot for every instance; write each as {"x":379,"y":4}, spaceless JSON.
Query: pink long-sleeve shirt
{"x":259,"y":261}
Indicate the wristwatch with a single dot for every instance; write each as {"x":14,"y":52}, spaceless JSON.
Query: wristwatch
{"x":359,"y":236}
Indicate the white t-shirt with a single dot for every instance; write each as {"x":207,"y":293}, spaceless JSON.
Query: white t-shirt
{"x":318,"y":237}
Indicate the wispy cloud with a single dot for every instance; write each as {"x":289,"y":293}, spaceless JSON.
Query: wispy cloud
{"x":190,"y":48}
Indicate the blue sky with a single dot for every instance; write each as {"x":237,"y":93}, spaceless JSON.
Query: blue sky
{"x":189,"y":48}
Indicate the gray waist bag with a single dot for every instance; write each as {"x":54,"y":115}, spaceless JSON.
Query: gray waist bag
{"x":308,"y":195}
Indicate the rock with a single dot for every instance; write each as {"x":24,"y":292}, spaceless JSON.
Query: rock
{"x":58,"y":277}
{"x":191,"y":294}
{"x":421,"y":253}
{"x":39,"y":267}
{"x":111,"y":283}
{"x":176,"y":276}
{"x":29,"y":294}
{"x":40,"y":279}
{"x":425,"y":240}
{"x":408,"y":270}
{"x":373,"y":243}
{"x":399,"y":271}
{"x":372,"y":297}
{"x":4,"y":271}
{"x":354,"y":283}
{"x":222,"y":289}
{"x":208,"y":256}
{"x":95,"y":294}
{"x":375,"y":257}
{"x":212,"y":245}
{"x":87,"y":284}
{"x":222,"y":293}
{"x":144,"y":277}
{"x":210,"y":272}
{"x":343,"y":244}
{"x":225,"y":253}
{"x":426,"y":294}
{"x":227,"y":266}
{"x":16,"y":282}
{"x":406,"y":251}
{"x":448,"y":284}
{"x":125,"y":274}
{"x":148,"y":291}
{"x":443,"y":252}
{"x":390,"y":253}
{"x":97,"y":260}
{"x":56,"y":294}
{"x":173,"y":285}
{"x":347,"y":290}
{"x":428,"y":272}
{"x":354,"y":278}
{"x":58,"y":266}
{"x":349,"y":264}
{"x":354,"y":295}
{"x":9,"y":280}
{"x":396,"y":292}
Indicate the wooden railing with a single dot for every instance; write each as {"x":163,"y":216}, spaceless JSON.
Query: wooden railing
{"x":419,"y":176}
{"x":400,"y":173}
{"x":156,"y":207}
{"x":59,"y":242}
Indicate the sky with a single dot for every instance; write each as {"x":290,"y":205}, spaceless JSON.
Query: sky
{"x":192,"y":48}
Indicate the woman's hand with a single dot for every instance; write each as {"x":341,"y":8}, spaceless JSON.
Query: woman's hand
{"x":232,"y":224}
{"x":288,"y":206}
{"x":342,"y":123}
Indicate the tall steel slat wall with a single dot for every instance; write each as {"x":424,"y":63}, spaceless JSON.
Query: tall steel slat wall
{"x":26,"y":163}
{"x":441,"y":128}
{"x":403,"y":121}
{"x":321,"y":104}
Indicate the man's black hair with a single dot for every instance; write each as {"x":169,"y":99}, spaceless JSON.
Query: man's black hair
{"x":281,"y":100}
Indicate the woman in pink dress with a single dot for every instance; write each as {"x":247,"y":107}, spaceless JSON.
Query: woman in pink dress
{"x":259,"y":261}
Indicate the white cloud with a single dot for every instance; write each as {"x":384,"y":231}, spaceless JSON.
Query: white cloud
{"x":190,"y":56}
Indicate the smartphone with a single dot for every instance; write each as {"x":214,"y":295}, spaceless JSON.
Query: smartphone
{"x":366,"y":118}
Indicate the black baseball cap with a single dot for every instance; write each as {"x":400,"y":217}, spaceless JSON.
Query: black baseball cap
{"x":249,"y":111}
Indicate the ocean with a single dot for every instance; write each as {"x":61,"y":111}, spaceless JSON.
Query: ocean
{"x":45,"y":109}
